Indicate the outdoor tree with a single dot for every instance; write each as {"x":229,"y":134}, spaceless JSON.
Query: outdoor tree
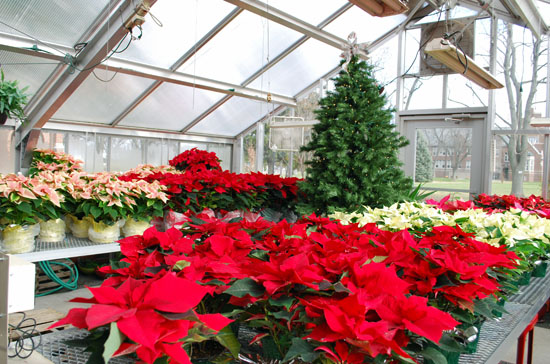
{"x":423,"y":171}
{"x":521,"y":96}
{"x":354,"y":148}
{"x":523,"y":67}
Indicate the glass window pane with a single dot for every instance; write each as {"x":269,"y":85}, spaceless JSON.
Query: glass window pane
{"x":183,"y":24}
{"x":301,"y":68}
{"x":187,"y":146}
{"x":126,"y":153}
{"x":249,"y":153}
{"x":97,"y":153}
{"x":101,"y":102}
{"x":76,"y":146}
{"x":29,"y":71}
{"x":51,"y":140}
{"x":7,"y":151}
{"x":171,"y":107}
{"x":170,"y":149}
{"x":240,"y":49}
{"x":233,"y":117}
{"x":57,"y":21}
{"x":154,"y":152}
{"x":443,"y":159}
{"x":223,"y":151}
{"x":423,"y":93}
{"x":528,"y":177}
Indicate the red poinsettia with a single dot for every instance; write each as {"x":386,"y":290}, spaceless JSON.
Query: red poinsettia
{"x":143,"y":311}
{"x":195,"y":160}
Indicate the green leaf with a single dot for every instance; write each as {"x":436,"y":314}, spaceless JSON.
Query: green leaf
{"x":25,"y":207}
{"x":245,"y":286}
{"x":434,"y":355}
{"x":95,"y":211}
{"x":481,"y":307}
{"x":283,"y":301}
{"x":447,"y":343}
{"x":113,"y":342}
{"x":300,"y":349}
{"x":259,"y":254}
{"x":227,"y":338}
{"x":181,"y":264}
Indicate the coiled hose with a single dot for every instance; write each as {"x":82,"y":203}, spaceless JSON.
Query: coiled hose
{"x":71,"y":283}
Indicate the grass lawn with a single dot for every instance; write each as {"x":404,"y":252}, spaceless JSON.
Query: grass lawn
{"x":497,"y":188}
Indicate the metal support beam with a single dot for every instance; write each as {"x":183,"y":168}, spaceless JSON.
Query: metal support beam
{"x":110,"y":33}
{"x":289,"y":21}
{"x":162,"y":74}
{"x":192,"y":51}
{"x":529,"y":13}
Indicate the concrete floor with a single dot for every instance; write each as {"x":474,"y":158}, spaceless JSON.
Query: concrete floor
{"x":60,"y":302}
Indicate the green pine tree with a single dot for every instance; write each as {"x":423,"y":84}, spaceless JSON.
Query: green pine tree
{"x":423,"y":170}
{"x":355,"y":148}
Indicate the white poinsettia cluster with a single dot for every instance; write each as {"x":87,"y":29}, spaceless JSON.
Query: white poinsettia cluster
{"x":526,"y":231}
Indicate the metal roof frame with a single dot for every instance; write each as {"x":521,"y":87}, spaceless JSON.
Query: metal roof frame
{"x":61,"y":84}
{"x":268,"y":66}
{"x":110,"y":31}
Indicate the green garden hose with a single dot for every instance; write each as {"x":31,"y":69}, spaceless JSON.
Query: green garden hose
{"x":71,"y":283}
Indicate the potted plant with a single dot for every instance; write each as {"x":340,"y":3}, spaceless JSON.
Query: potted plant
{"x":12,"y":100}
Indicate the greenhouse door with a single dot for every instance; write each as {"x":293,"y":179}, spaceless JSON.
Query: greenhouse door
{"x":446,"y":153}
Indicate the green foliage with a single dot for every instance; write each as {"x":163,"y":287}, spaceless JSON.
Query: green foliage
{"x":355,"y":148}
{"x":424,"y":167}
{"x":12,"y":99}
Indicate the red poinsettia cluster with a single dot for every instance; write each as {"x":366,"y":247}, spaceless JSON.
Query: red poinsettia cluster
{"x":154,"y":314}
{"x":224,"y":190}
{"x":446,"y":204}
{"x":346,"y":291}
{"x":195,"y":160}
{"x":498,"y":203}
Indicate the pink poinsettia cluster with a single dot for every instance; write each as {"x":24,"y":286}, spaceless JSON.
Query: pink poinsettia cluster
{"x":52,"y":161}
{"x":24,"y":200}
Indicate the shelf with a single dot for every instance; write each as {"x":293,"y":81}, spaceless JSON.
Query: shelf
{"x":68,"y":248}
{"x":498,"y":336}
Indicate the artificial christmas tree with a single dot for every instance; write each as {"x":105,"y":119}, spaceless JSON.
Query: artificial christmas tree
{"x":355,"y":147}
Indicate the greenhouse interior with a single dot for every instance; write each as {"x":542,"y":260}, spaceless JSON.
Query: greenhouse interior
{"x":320,"y":181}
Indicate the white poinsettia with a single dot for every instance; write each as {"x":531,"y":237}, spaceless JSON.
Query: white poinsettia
{"x":512,"y":227}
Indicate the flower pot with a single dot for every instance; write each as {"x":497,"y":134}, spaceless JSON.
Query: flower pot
{"x":540,"y":269}
{"x":524,"y":279}
{"x":135,"y":227}
{"x":3,"y":118}
{"x":17,"y":239}
{"x":79,"y":227}
{"x":52,"y":231}
{"x":100,"y":232}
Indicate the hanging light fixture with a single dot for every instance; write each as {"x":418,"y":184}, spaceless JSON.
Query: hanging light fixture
{"x":381,"y":8}
{"x":458,"y":61}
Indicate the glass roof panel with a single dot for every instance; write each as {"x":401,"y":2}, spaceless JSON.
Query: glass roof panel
{"x":310,"y":11}
{"x":456,"y":13}
{"x":307,"y":63}
{"x":171,"y":107}
{"x":544,"y":10}
{"x":28,"y":70}
{"x":98,"y":101}
{"x":240,"y":49}
{"x":183,"y":24}
{"x":57,"y":21}
{"x":367,"y":27}
{"x":233,"y":117}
